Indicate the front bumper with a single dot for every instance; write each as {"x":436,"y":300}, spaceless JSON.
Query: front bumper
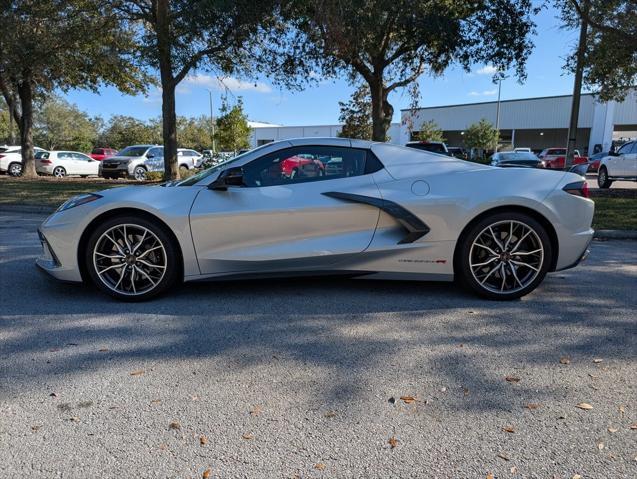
{"x":49,"y":261}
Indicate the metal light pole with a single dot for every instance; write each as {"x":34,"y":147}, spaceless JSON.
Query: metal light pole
{"x":497,"y":112}
{"x":212,"y":123}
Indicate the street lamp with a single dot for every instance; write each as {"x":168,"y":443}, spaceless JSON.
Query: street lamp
{"x":212,"y":122}
{"x":501,"y":76}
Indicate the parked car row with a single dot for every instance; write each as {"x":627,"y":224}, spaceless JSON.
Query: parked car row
{"x":137,"y":160}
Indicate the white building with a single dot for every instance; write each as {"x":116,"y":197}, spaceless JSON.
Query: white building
{"x":534,"y":122}
{"x":263,"y":133}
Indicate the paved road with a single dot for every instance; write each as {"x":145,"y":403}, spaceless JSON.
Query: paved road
{"x":591,"y":179}
{"x":304,"y":377}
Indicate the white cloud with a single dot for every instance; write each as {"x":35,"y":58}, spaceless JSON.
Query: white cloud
{"x":484,"y":92}
{"x":221,"y":83}
{"x":487,"y":70}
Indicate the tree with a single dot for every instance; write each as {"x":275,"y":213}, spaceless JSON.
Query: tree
{"x":610,"y":57}
{"x":356,"y":115}
{"x":429,"y":131}
{"x":178,"y":36}
{"x":59,"y":125}
{"x":122,"y":131}
{"x":53,"y":44}
{"x":390,"y":43}
{"x":233,"y":132}
{"x":481,"y":136}
{"x":194,"y":132}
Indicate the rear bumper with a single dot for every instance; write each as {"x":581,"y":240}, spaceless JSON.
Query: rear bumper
{"x":582,"y":256}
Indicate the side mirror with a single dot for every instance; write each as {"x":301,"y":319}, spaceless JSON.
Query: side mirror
{"x":150,"y":156}
{"x":229,"y":177}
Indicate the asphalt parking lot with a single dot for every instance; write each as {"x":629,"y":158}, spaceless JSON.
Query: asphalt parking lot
{"x":304,"y":377}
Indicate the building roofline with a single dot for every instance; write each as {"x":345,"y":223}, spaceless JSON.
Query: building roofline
{"x":493,"y":102}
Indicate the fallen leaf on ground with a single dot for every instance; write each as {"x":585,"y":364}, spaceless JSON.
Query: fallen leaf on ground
{"x":633,"y":426}
{"x":35,"y":428}
{"x":585,"y":406}
{"x":577,"y":476}
{"x":74,"y":419}
{"x":320,"y":466}
{"x":393,"y":442}
{"x":103,"y":350}
{"x":408,"y":399}
{"x":137,"y":373}
{"x":503,"y":456}
{"x":565,"y":360}
{"x":600,"y":446}
{"x":203,"y":440}
{"x":194,"y":398}
{"x":163,"y":447}
{"x":465,"y":391}
{"x":593,"y":376}
{"x":597,"y":360}
{"x":509,"y":429}
{"x":532,"y":406}
{"x":53,"y":395}
{"x":156,"y":401}
{"x":330,"y":414}
{"x":612,"y":430}
{"x":174,"y":425}
{"x":489,"y":476}
{"x":206,"y":473}
{"x":256,"y":410}
{"x":514,"y":470}
{"x":247,"y":436}
{"x":621,"y":410}
{"x":512,"y":379}
{"x":443,"y":389}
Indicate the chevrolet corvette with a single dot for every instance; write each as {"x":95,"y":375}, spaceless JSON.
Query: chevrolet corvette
{"x":362,"y":209}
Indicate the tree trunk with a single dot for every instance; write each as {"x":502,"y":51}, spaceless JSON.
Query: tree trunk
{"x":169,"y":117}
{"x":25,"y":92}
{"x":380,"y":107}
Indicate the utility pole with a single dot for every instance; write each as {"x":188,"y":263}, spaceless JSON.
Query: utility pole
{"x":577,"y":86}
{"x":212,"y":123}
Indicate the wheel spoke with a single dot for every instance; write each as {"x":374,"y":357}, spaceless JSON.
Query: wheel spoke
{"x":519,"y":242}
{"x":488,"y":275}
{"x":114,"y":266}
{"x":487,"y":248}
{"x":139,"y":270}
{"x":525,"y":253}
{"x":508,"y":241}
{"x":520,"y":263}
{"x":150,"y":265}
{"x":140,"y":242}
{"x":497,"y":241}
{"x":504,"y":276}
{"x":117,"y":245}
{"x":132,"y":279}
{"x":515,"y":275}
{"x":494,"y":258}
{"x":128,"y":245}
{"x":148,"y":251}
{"x":110,"y":256}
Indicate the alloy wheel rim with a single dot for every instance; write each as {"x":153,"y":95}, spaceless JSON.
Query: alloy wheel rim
{"x":130,"y":259}
{"x":506,"y":257}
{"x":59,"y":172}
{"x":140,"y":174}
{"x":16,"y":170}
{"x":602,"y":176}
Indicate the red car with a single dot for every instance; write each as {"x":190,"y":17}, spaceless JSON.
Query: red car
{"x":299,"y":166}
{"x":100,"y":154}
{"x":554,"y":158}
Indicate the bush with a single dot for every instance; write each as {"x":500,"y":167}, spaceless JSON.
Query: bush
{"x":155,"y":176}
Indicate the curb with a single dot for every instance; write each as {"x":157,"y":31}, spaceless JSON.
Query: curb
{"x":616,"y":234}
{"x":34,"y":209}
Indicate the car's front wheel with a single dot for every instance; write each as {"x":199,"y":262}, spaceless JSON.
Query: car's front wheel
{"x":504,"y":256}
{"x":602,"y":178}
{"x":131,"y":258}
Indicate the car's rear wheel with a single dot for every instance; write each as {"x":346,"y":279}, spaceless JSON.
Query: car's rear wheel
{"x":131,"y":258}
{"x":504,"y":256}
{"x":602,"y":178}
{"x":59,"y":172}
{"x":15,"y":169}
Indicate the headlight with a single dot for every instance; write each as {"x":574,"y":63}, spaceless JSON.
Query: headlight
{"x":78,"y":200}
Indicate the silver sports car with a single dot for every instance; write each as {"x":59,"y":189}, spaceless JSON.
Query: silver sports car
{"x":326,"y":206}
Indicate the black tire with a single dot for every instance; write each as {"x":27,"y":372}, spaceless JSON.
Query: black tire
{"x":602,"y":178}
{"x":505,"y":261}
{"x":139,"y":173}
{"x":172,"y":258}
{"x":15,"y":169}
{"x":61,"y":172}
{"x":109,"y":177}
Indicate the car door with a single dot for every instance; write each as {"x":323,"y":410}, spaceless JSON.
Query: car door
{"x":87,"y":164}
{"x":620,"y":165}
{"x":155,"y":159}
{"x":631,"y":162}
{"x":65,"y":160}
{"x":279,"y":221}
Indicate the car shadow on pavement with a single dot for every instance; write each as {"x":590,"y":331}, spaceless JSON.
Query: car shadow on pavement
{"x":354,"y":330}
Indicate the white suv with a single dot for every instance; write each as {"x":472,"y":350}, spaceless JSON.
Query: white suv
{"x":11,"y":159}
{"x":621,"y":165}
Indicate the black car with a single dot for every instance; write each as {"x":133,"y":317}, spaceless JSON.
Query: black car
{"x":516,"y":159}
{"x":458,"y":152}
{"x":431,"y":146}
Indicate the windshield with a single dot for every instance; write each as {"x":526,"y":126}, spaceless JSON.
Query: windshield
{"x":133,"y":151}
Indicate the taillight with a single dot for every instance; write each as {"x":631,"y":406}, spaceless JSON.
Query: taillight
{"x":578,"y":188}
{"x":46,"y":162}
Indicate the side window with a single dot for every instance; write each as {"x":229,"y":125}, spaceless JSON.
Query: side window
{"x":65,"y":156}
{"x":304,"y":163}
{"x":80,"y":156}
{"x":156,"y":152}
{"x":625,"y":149}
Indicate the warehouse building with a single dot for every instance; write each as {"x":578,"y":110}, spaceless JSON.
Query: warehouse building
{"x":536,"y":123}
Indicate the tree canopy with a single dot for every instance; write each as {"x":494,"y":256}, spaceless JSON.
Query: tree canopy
{"x":481,"y":136}
{"x":59,"y":125}
{"x":233,"y":132}
{"x":389,"y":43}
{"x":610,"y":59}
{"x":430,"y":131}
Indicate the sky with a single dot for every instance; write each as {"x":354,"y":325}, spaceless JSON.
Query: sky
{"x":318,"y":104}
